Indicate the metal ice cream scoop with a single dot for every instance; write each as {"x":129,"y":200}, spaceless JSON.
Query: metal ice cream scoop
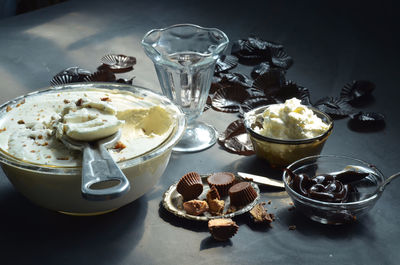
{"x":98,"y":167}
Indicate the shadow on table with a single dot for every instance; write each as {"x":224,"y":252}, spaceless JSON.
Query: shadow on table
{"x":33,"y":235}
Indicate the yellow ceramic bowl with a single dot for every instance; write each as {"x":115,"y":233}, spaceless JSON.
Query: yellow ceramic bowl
{"x":278,"y":152}
{"x":59,"y":188}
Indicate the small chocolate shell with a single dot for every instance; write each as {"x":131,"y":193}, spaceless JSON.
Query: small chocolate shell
{"x":260,"y":69}
{"x":254,"y":102}
{"x":270,"y":82}
{"x":70,"y":75}
{"x":119,"y":63}
{"x":242,"y":193}
{"x":228,"y":99}
{"x":101,"y":76}
{"x":235,"y":139}
{"x":225,"y":63}
{"x":61,"y":80}
{"x":357,"y":90}
{"x":367,"y":121}
{"x":222,"y":229}
{"x":281,"y":59}
{"x":237,"y":79}
{"x":291,"y":90}
{"x":336,"y":107}
{"x":125,"y":81}
{"x":222,"y":181}
{"x":76,"y":72}
{"x":190,"y":186}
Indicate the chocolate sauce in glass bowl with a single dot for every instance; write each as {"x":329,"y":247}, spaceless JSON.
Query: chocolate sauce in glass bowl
{"x":326,"y":187}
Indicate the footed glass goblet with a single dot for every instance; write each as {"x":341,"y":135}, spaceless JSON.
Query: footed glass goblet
{"x":184,"y":57}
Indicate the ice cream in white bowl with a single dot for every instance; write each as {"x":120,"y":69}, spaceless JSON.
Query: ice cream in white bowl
{"x":49,"y":174}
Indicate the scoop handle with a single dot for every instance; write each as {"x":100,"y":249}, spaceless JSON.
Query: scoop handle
{"x":99,"y":167}
{"x":388,"y":180}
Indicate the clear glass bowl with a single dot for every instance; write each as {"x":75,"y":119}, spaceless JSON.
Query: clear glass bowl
{"x":368,"y":191}
{"x":280,"y":153}
{"x":59,"y":188}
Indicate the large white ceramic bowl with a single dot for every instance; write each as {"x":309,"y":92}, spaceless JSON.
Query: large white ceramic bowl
{"x":59,"y":188}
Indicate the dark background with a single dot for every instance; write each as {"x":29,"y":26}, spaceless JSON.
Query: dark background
{"x":332,"y":43}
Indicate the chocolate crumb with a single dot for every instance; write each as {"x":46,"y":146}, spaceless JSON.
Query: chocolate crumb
{"x":66,"y":101}
{"x":79,"y":102}
{"x":269,"y":202}
{"x":62,"y":158}
{"x":48,"y":156}
{"x":292,"y":227}
{"x":119,"y":145}
{"x":106,"y":99}
{"x":21,"y":122}
{"x":33,"y":151}
{"x":3,"y":130}
{"x":259,"y":214}
{"x":40,"y":136}
{"x":8,"y":108}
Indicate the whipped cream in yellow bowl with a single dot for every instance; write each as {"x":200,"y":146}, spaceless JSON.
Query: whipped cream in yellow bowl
{"x":48,"y":173}
{"x":286,"y":132}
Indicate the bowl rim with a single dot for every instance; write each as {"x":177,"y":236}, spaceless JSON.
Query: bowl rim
{"x":257,"y":111}
{"x":172,"y":139}
{"x":372,"y":197}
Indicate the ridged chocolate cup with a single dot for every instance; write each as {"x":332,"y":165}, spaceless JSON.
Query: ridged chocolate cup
{"x":241,"y":194}
{"x":190,"y":186}
{"x":222,"y":229}
{"x":222,"y":181}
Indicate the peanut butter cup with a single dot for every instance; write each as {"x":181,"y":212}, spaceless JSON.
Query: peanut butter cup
{"x":190,"y":186}
{"x":222,"y":229}
{"x":222,"y":181}
{"x":242,"y":193}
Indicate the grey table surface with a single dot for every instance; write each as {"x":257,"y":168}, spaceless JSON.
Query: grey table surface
{"x":332,"y":43}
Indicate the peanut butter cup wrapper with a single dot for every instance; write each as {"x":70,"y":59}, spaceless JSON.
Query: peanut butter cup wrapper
{"x":241,"y":194}
{"x":222,"y":181}
{"x":190,"y":186}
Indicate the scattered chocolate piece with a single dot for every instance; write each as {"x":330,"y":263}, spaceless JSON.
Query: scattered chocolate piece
{"x":292,"y":227}
{"x":195,"y":207}
{"x":222,"y":229}
{"x":21,"y":122}
{"x":259,"y":214}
